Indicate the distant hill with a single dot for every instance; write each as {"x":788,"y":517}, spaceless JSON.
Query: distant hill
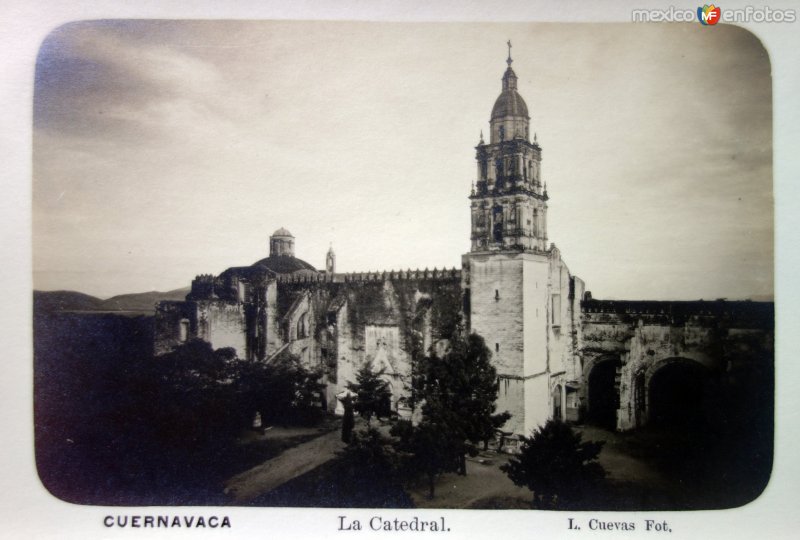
{"x":65,"y":301}
{"x":142,"y":301}
{"x":75,"y":301}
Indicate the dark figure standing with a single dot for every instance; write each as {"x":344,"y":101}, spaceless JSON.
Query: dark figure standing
{"x":348,"y":422}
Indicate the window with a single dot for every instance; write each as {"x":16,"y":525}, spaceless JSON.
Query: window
{"x":302,"y":326}
{"x":497,"y":294}
{"x":496,"y":347}
{"x":556,"y":309}
{"x":183,"y":330}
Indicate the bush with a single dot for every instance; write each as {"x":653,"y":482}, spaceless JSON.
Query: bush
{"x":556,"y":466}
{"x":372,"y":393}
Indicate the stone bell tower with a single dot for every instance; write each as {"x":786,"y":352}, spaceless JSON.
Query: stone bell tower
{"x":508,"y":268}
{"x":509,"y":200}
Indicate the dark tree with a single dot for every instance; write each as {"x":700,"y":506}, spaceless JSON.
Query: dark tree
{"x":372,"y":393}
{"x":458,"y":392}
{"x":282,"y":390}
{"x":556,"y":465}
{"x":186,"y":398}
{"x":430,"y":448}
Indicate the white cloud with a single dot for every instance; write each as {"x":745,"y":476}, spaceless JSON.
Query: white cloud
{"x":169,"y":149}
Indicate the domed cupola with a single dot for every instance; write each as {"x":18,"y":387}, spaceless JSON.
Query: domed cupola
{"x":281,"y":258}
{"x":281,"y":243}
{"x":509,"y":118}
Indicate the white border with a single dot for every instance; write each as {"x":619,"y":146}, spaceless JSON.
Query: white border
{"x":27,"y":510}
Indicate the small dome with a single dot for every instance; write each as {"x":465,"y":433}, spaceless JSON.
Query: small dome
{"x":282,"y":232}
{"x":509,"y":103}
{"x":281,"y":243}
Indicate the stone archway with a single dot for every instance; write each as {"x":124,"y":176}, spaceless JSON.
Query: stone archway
{"x":677,"y":393}
{"x":602,"y":391}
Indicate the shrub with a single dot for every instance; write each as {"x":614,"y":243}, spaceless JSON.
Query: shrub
{"x":556,"y":465}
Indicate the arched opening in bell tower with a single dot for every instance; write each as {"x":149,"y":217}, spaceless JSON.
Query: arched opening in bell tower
{"x":497,"y":227}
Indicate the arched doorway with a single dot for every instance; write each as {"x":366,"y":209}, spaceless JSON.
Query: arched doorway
{"x":603,"y":394}
{"x":678,"y":395}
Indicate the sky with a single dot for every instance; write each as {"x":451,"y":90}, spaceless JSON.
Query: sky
{"x":166,"y":149}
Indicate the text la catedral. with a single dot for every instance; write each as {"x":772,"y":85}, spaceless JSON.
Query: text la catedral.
{"x":379,"y":523}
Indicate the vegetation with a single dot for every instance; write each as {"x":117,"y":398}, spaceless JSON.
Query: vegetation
{"x":430,"y":448}
{"x":283,"y":390}
{"x":114,"y":425}
{"x":457,"y":394}
{"x":372,"y":395}
{"x":556,"y":465}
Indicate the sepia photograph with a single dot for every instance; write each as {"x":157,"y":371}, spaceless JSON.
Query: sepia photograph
{"x":402,"y":265}
{"x":423,"y":337}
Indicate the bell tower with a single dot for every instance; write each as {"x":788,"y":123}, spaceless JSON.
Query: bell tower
{"x":330,"y":261}
{"x":509,"y":200}
{"x":508,"y":276}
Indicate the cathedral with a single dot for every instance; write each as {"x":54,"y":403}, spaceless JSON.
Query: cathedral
{"x":558,"y":353}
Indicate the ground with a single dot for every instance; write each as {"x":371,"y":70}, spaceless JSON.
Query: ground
{"x":639,"y":478}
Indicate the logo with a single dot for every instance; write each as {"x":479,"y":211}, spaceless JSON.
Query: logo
{"x":709,"y":15}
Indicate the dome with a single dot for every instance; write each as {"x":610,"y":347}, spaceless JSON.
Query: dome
{"x":282,"y":232}
{"x":281,"y":243}
{"x":509,"y":102}
{"x":284,"y":264}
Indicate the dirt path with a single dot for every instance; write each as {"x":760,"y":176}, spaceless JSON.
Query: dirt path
{"x":291,"y":463}
{"x":484,"y":482}
{"x":633,"y":484}
{"x":621,"y":466}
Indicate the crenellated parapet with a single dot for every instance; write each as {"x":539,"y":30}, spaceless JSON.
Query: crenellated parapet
{"x":742,"y":314}
{"x":359,"y":277}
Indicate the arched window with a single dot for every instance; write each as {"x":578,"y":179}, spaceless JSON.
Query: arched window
{"x":302,"y":326}
{"x":497,"y":218}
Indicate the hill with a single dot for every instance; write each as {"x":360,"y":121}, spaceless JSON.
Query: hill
{"x":54,"y":301}
{"x":142,"y":301}
{"x":65,"y":301}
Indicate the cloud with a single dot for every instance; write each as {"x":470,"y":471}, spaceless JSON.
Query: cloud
{"x":169,"y":148}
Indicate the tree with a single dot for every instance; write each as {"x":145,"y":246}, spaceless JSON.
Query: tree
{"x":372,"y":393}
{"x":556,"y":465}
{"x":282,"y":390}
{"x":458,"y":392}
{"x":189,"y":397}
{"x":430,"y":448}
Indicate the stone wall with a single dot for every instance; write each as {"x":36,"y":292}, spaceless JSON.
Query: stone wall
{"x":222,"y":324}
{"x":379,"y":319}
{"x":524,"y":305}
{"x":723,"y":338}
